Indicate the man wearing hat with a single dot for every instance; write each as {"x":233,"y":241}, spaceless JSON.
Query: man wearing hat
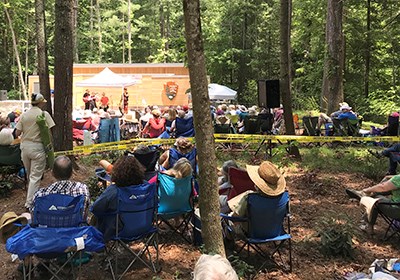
{"x":268,"y":181}
{"x":32,"y":149}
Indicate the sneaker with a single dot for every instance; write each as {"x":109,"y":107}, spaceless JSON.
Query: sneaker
{"x":367,"y":229}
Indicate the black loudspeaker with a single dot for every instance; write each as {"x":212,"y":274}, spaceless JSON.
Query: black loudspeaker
{"x":268,"y":93}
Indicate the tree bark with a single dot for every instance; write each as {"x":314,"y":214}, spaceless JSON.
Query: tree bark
{"x":63,"y":62}
{"x":285,"y":71}
{"x":129,"y":33}
{"x":332,"y":85}
{"x":41,"y":45}
{"x":16,"y":53}
{"x":209,"y":203}
{"x":367,"y":51}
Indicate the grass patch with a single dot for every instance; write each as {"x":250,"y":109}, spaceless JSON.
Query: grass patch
{"x":348,"y":159}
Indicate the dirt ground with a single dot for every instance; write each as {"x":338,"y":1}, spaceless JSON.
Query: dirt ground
{"x":312,"y":195}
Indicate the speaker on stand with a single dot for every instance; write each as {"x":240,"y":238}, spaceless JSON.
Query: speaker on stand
{"x":268,"y":97}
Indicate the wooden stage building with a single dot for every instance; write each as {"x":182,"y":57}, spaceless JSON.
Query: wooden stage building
{"x":161,"y":84}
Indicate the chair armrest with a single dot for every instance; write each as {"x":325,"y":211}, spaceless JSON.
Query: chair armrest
{"x":233,"y":218}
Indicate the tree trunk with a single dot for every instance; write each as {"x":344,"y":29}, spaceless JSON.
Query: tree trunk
{"x":332,"y":85}
{"x":75,"y":21}
{"x":16,"y":53}
{"x":99,"y":30}
{"x":41,"y":46}
{"x":63,"y":62}
{"x":367,"y":51}
{"x":209,"y":202}
{"x":129,"y":33}
{"x":285,"y":71}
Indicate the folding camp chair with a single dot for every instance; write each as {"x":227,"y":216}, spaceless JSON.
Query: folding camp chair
{"x":240,"y":181}
{"x":266,"y":120}
{"x":175,"y":201}
{"x":136,"y":231}
{"x":10,"y":161}
{"x":251,"y":125}
{"x":265,"y":223}
{"x":222,"y":128}
{"x":310,"y":126}
{"x":393,"y":126}
{"x":392,"y":218}
{"x":58,"y":236}
{"x":184,"y":127}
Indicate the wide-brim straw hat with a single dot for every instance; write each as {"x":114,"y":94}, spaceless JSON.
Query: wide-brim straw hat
{"x":7,"y":227}
{"x":38,"y":98}
{"x":130,"y":118}
{"x":267,"y":178}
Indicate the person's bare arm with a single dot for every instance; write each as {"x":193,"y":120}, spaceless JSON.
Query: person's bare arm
{"x":381,"y":187}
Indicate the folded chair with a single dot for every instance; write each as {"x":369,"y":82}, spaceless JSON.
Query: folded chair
{"x":136,"y":230}
{"x":58,"y":236}
{"x":109,"y":130}
{"x":310,"y":126}
{"x":266,"y":121}
{"x":175,"y":201}
{"x":265,"y":224}
{"x":184,"y":127}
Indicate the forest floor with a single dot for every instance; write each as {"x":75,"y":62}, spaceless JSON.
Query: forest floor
{"x":313,"y":195}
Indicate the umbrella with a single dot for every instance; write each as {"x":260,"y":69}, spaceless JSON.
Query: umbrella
{"x":219,"y":92}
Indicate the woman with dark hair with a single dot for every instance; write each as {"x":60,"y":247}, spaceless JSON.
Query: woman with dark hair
{"x":127,"y":171}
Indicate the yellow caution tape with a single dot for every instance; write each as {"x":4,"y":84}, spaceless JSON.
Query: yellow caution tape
{"x":221,"y":138}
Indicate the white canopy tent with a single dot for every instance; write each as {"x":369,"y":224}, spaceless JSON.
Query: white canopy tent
{"x":220,"y":92}
{"x":107,"y":78}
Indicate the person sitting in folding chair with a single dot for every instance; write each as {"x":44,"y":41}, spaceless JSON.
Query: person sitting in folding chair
{"x":381,"y":204}
{"x":258,"y":217}
{"x":62,"y":172}
{"x":127,"y":171}
{"x":268,"y":180}
{"x":182,"y":148}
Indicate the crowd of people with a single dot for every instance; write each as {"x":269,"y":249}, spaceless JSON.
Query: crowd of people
{"x":178,"y":161}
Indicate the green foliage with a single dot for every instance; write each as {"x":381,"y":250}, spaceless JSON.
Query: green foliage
{"x":96,"y":188}
{"x":14,"y":95}
{"x":5,"y":187}
{"x":90,"y":160}
{"x":336,"y":231}
{"x":344,"y":159}
{"x":242,"y":268}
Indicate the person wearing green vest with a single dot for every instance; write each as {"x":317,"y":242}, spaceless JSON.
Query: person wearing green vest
{"x":33,"y":151}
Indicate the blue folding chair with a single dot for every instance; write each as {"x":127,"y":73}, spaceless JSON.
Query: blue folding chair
{"x":57,"y":236}
{"x":184,"y":127}
{"x":265,"y":220}
{"x":175,"y":200}
{"x":135,"y":223}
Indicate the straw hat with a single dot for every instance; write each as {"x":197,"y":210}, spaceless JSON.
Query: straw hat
{"x":345,"y":107}
{"x":243,"y":108}
{"x":130,"y":118}
{"x":37,"y":98}
{"x":7,"y":228}
{"x":156,"y":113}
{"x":267,"y":178}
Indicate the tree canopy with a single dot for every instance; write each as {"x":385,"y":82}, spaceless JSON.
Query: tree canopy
{"x":241,"y":41}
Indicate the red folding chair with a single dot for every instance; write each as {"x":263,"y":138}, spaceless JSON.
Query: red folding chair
{"x":240,"y":181}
